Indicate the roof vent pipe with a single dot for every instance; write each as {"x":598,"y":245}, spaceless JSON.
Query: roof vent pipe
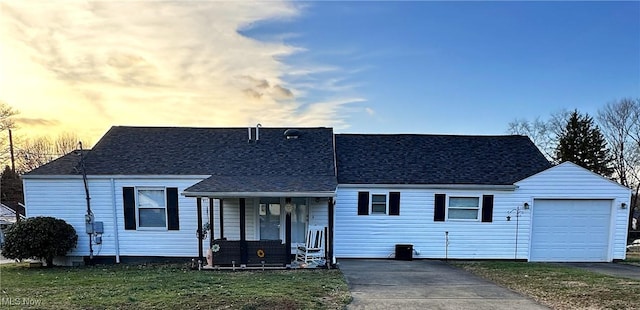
{"x":249,"y":129}
{"x":258,"y":131}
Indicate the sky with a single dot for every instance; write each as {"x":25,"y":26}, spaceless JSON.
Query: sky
{"x":359,"y":67}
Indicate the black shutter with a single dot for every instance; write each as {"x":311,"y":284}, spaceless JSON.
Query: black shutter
{"x":439,"y":208}
{"x":363,"y":203}
{"x":129,"y":203}
{"x":394,"y":203}
{"x":487,"y":208}
{"x":173,"y":221}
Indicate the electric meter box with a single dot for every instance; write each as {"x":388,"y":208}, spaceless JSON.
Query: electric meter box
{"x":98,"y":227}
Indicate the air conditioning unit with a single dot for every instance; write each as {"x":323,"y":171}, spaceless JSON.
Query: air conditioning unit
{"x":404,"y":251}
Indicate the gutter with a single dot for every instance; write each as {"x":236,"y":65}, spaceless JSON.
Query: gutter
{"x":494,"y":187}
{"x":117,"y":176}
{"x":322,"y":194}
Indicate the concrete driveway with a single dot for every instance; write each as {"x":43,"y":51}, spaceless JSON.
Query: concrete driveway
{"x":424,"y":284}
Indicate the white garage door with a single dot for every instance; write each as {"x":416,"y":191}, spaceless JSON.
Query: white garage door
{"x":570,"y":230}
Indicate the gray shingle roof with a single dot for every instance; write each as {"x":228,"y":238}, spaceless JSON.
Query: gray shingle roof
{"x":210,"y":151}
{"x":252,"y":183}
{"x":68,"y":164}
{"x":436,"y":159}
{"x":305,"y":164}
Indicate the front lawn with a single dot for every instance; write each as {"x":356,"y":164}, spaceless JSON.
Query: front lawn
{"x":169,"y":287}
{"x":560,"y":287}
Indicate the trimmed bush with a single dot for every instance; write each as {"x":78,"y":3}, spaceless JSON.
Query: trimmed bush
{"x":39,"y":238}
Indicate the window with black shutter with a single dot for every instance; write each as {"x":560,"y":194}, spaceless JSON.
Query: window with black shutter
{"x":173,"y":222}
{"x":363,"y":203}
{"x":129,"y":203}
{"x":487,"y":208}
{"x":394,"y":203}
{"x":439,"y":207}
{"x":150,"y":208}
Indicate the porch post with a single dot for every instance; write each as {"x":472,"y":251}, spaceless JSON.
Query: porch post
{"x":329,"y":246}
{"x":221,"y":219}
{"x":287,"y":235}
{"x":199,"y":230}
{"x":244,"y":256}
{"x":211,"y":222}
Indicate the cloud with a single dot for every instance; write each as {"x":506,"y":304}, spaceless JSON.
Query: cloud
{"x":370,"y":111}
{"x":36,"y":121}
{"x":91,"y":65}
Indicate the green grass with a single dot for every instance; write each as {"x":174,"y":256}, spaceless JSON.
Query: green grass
{"x":170,"y":287}
{"x":560,"y":287}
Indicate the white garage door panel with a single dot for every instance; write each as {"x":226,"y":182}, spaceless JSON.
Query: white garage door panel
{"x":570,"y":230}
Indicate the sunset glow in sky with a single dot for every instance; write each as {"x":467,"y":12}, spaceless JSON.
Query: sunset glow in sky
{"x":368,"y":67}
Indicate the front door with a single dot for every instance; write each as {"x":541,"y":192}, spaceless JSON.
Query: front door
{"x":299,"y":220}
{"x":269,"y":212}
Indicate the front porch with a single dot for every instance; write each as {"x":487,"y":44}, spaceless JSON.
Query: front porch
{"x":262,"y":232}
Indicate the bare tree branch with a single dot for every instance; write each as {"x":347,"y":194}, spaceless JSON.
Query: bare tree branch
{"x":543,"y":133}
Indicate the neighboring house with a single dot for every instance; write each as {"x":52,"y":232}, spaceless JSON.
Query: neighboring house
{"x":158,"y":190}
{"x":8,"y":216}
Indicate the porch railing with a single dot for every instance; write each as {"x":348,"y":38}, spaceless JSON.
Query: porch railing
{"x":258,"y":253}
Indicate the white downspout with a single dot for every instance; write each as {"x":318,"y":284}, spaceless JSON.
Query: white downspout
{"x":115,"y":220}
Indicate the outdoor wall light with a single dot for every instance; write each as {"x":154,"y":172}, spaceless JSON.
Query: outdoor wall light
{"x":623,"y":205}
{"x":526,"y":206}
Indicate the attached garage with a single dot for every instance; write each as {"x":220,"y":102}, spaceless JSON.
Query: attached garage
{"x":571,"y":230}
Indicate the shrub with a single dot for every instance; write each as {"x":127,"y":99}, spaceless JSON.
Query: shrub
{"x":39,"y":238}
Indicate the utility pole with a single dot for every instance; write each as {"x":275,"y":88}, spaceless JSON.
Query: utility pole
{"x":13,"y":160}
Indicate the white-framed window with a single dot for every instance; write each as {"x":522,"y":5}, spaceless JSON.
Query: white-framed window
{"x":151,"y":208}
{"x":463,"y":208}
{"x":378,"y":204}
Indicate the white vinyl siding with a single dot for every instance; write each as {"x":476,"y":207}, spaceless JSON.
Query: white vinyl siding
{"x":375,"y":237}
{"x":569,"y":181}
{"x":65,"y":199}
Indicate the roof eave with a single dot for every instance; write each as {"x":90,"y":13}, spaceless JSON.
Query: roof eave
{"x":494,"y":187}
{"x":312,"y":194}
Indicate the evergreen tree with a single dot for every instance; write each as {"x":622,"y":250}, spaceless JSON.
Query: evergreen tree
{"x":582,"y":143}
{"x":11,"y":186}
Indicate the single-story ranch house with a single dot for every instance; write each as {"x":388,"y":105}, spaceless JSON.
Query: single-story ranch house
{"x":165,"y":192}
